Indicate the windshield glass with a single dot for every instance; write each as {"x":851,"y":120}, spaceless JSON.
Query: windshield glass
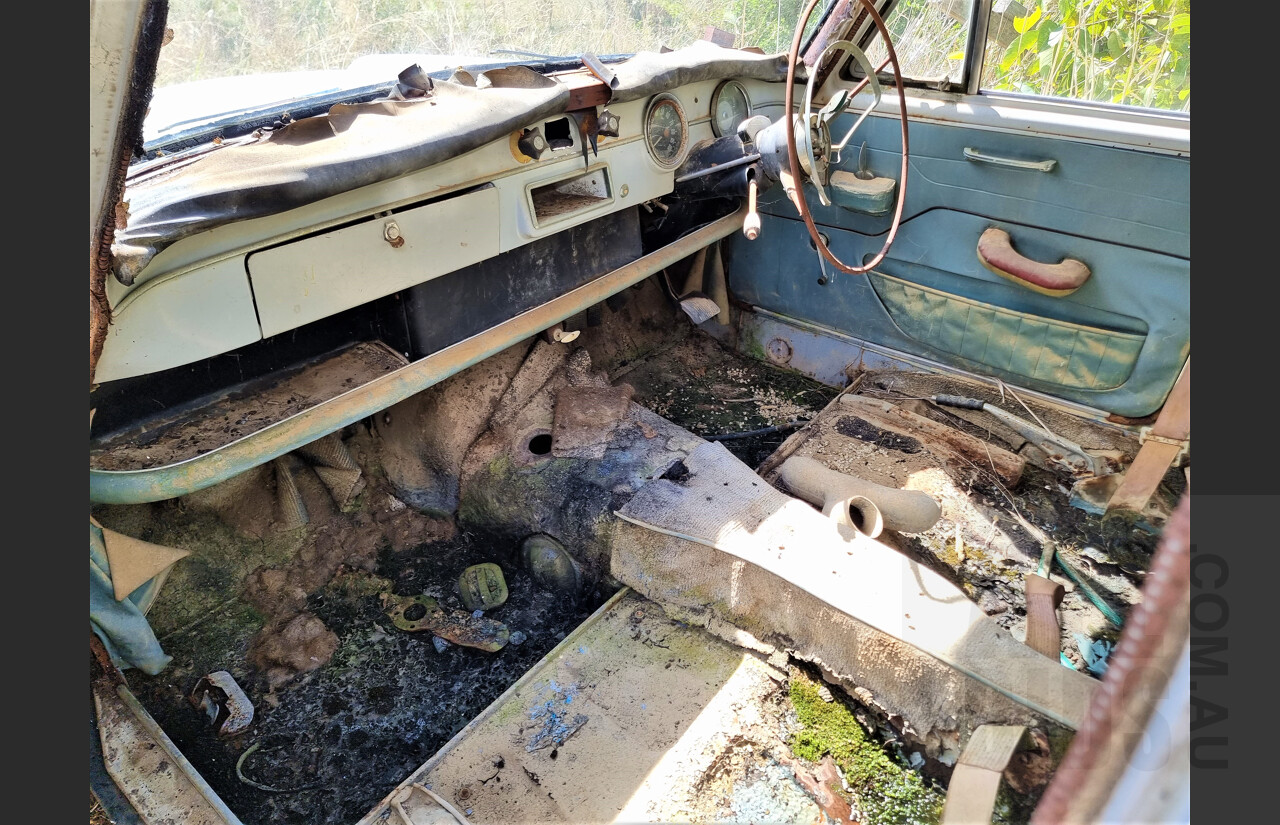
{"x":316,"y":46}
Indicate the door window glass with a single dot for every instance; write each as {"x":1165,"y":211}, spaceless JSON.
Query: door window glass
{"x":1131,"y":52}
{"x":929,"y":38}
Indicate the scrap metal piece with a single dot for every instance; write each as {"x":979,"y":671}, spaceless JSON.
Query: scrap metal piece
{"x":150,"y":771}
{"x":589,"y":129}
{"x":482,"y":586}
{"x":598,"y":68}
{"x":224,"y":702}
{"x":550,"y":564}
{"x":1061,"y":451}
{"x":418,"y":613}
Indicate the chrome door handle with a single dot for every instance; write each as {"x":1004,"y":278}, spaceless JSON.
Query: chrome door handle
{"x":996,"y":160}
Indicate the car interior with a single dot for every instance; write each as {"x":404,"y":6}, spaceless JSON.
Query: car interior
{"x":757,"y":436}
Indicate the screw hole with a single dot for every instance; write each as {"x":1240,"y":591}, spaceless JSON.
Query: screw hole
{"x":540,"y":444}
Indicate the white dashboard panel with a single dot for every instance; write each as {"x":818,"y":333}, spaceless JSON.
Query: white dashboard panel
{"x":319,"y":259}
{"x":313,"y":278}
{"x":179,"y":320}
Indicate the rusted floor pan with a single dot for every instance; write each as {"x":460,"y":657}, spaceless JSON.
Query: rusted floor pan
{"x":244,"y":410}
{"x":634,"y":718}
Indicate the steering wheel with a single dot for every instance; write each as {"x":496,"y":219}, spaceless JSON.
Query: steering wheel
{"x":816,"y":130}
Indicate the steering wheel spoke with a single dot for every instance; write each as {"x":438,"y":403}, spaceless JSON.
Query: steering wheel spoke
{"x":817,"y":131}
{"x":837,"y":105}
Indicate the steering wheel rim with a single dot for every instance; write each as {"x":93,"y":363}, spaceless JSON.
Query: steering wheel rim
{"x":796,"y":190}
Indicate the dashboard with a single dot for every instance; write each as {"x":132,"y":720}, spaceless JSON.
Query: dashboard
{"x":242,"y":281}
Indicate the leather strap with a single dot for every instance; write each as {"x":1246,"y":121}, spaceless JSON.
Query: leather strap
{"x":1147,"y":470}
{"x":1044,"y":635}
{"x":971,"y":796}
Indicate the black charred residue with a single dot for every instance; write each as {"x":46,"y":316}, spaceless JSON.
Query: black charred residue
{"x":677,"y":472}
{"x":870,"y":433}
{"x":352,"y":730}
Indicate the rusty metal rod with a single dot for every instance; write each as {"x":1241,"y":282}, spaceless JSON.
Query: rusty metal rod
{"x":173,"y":480}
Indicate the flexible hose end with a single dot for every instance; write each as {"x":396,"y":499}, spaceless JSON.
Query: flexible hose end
{"x":857,"y":512}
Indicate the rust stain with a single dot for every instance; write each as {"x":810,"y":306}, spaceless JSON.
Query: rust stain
{"x":451,"y":625}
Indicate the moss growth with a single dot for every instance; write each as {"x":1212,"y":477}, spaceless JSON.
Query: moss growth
{"x":354,"y":585}
{"x":754,"y":349}
{"x":1059,"y":740}
{"x":884,"y":791}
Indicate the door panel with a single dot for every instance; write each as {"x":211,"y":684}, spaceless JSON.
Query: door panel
{"x":1116,"y":343}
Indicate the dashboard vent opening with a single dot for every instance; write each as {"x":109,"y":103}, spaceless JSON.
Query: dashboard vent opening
{"x":559,"y":133}
{"x":569,"y":196}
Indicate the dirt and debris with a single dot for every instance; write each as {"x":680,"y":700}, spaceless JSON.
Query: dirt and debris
{"x":243,"y":410}
{"x":282,"y":650}
{"x":347,"y":705}
{"x":382,"y":703}
{"x":700,"y":384}
{"x":988,"y":538}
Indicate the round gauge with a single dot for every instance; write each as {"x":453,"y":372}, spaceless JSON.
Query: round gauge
{"x":729,"y":107}
{"x":666,"y":131}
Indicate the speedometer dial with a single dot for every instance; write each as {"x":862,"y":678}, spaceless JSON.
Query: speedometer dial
{"x":729,"y":107}
{"x":666,"y":131}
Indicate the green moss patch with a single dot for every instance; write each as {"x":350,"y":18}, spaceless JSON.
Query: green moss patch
{"x":884,"y":791}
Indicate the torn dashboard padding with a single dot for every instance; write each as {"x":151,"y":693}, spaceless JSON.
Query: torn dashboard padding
{"x":356,"y":145}
{"x":648,"y":73}
{"x":353,"y":145}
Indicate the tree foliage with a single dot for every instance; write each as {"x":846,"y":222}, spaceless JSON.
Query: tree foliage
{"x":1135,"y":52}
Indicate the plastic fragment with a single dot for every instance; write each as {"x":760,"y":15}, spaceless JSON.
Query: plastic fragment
{"x":1095,"y":653}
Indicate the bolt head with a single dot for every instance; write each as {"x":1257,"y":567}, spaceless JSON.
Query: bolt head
{"x":391,"y":231}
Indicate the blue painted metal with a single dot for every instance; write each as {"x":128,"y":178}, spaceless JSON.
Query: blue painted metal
{"x":1132,"y":290}
{"x":1124,"y":212}
{"x":833,"y":357}
{"x":1122,"y":196}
